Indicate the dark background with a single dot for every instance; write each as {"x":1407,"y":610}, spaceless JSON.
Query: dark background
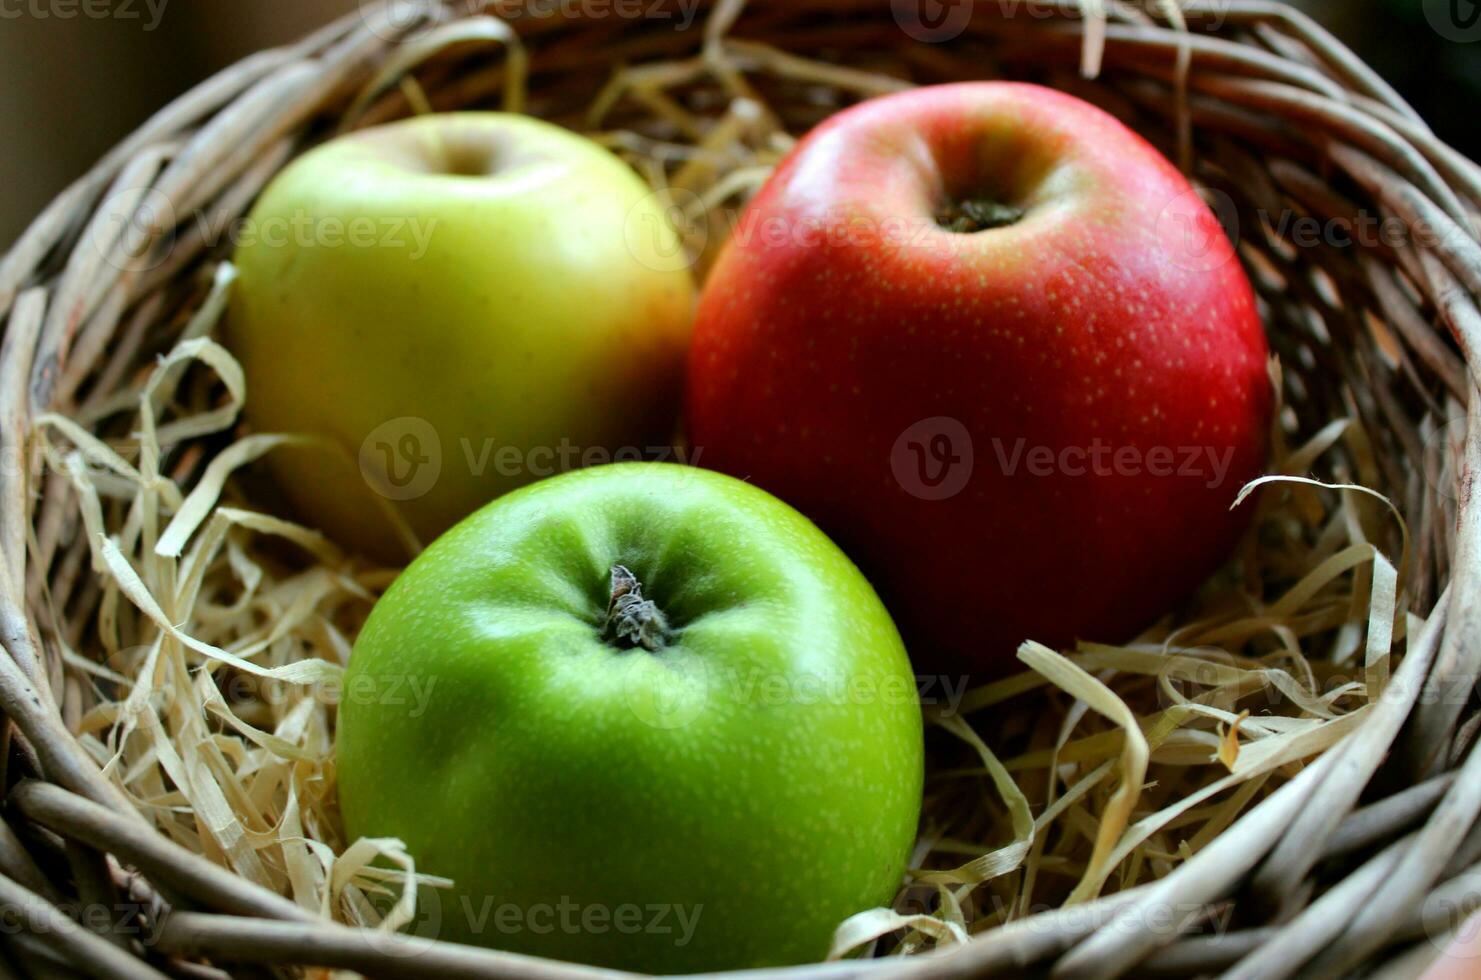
{"x":72,"y":86}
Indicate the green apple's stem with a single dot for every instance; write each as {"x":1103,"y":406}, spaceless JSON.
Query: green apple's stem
{"x":633,"y":621}
{"x":977,"y":214}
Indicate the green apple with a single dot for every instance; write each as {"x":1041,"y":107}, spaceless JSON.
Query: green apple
{"x":455,"y":305}
{"x":645,"y":716}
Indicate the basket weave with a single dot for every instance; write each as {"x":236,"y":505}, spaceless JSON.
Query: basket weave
{"x":1258,"y":103}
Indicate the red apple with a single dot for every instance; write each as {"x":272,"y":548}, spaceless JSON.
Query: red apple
{"x":997,"y":346}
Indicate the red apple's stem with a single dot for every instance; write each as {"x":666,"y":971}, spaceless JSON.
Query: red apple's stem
{"x":977,"y":214}
{"x":633,"y":621}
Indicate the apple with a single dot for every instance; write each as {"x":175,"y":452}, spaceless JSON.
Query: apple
{"x":1000,"y":350}
{"x":453,"y":306}
{"x":645,"y":716}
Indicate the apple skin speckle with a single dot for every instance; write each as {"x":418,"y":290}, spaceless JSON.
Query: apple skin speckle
{"x":1116,"y":281}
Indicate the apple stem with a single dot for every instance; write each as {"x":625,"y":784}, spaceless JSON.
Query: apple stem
{"x":633,"y":621}
{"x":977,"y":214}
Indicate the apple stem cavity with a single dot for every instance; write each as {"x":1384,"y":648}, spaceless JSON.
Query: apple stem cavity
{"x":633,"y":621}
{"x":977,"y":214}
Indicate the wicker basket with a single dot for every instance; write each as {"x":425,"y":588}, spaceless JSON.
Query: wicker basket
{"x":1363,"y":856}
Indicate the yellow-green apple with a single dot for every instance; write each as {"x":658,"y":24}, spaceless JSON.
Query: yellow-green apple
{"x":645,"y":716}
{"x":455,"y":305}
{"x":1000,"y":350}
